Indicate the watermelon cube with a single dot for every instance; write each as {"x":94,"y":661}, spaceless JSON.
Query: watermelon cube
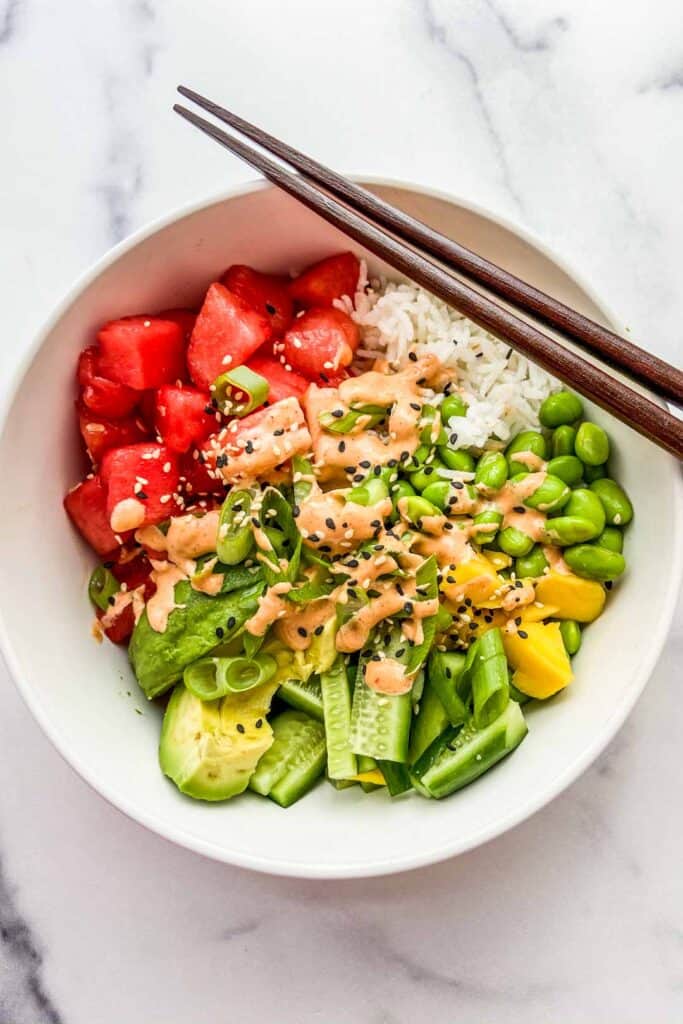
{"x":141,"y":482}
{"x":226,"y":333}
{"x":142,"y":352}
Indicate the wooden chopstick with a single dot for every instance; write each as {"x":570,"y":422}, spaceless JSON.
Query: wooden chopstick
{"x":643,"y":415}
{"x":641,"y":366}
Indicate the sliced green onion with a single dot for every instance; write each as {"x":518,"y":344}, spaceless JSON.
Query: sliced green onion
{"x":303,"y":475}
{"x":103,"y":585}
{"x":239,"y":391}
{"x":235,"y":538}
{"x":277,"y":522}
{"x":350,"y":422}
{"x":213,"y":678}
{"x":370,"y":492}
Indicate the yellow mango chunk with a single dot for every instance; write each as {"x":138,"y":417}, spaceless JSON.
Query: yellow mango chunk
{"x":498,"y":559}
{"x":534,"y":614}
{"x":375,"y":776}
{"x":476,"y":578}
{"x":539,"y":658}
{"x":574,"y":598}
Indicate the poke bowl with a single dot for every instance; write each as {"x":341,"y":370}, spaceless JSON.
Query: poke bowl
{"x":371,"y":579}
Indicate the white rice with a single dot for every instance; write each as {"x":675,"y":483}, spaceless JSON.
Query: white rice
{"x":503,"y":390}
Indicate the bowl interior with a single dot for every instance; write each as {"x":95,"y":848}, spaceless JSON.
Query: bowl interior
{"x":86,"y":697}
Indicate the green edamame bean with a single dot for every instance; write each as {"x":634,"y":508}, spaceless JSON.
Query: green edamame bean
{"x":611,"y":538}
{"x":567,"y":468}
{"x":615,"y":501}
{"x":566,"y":530}
{"x":456,"y":459}
{"x":492,"y":471}
{"x":418,"y":459}
{"x":426,"y":475}
{"x":452,"y":405}
{"x":570,"y":631}
{"x":559,"y":409}
{"x":103,"y":585}
{"x":583,"y":504}
{"x":369,"y":493}
{"x":429,"y":433}
{"x":563,"y":441}
{"x":416,"y":508}
{"x":527,"y":441}
{"x":515,"y":543}
{"x":401,"y":489}
{"x":487,"y":518}
{"x":534,"y":564}
{"x":550,"y":495}
{"x":592,"y":444}
{"x":437,"y":493}
{"x":591,"y":473}
{"x":594,"y":563}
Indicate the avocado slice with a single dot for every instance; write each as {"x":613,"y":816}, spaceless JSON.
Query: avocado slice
{"x":158,"y":659}
{"x":211,"y":748}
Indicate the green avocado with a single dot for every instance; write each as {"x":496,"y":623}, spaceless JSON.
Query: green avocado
{"x":211,"y":748}
{"x":158,"y":659}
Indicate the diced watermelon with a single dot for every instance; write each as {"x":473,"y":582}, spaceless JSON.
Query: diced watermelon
{"x":185,"y":318}
{"x":321,"y":342}
{"x":86,"y":505}
{"x":142,"y":351}
{"x":146,"y":473}
{"x":226,"y":333}
{"x":195,"y":477}
{"x":102,"y":396}
{"x":183,"y":416}
{"x":120,"y":626}
{"x":322,"y":283}
{"x":101,"y":434}
{"x":258,"y":443}
{"x":283,"y":383}
{"x":266,"y":293}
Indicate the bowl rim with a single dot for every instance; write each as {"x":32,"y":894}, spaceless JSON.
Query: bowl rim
{"x":435,"y":853}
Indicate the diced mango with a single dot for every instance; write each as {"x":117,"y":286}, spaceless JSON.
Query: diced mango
{"x":573,"y":597}
{"x":538,"y":655}
{"x":532,"y":613}
{"x":476,"y":578}
{"x":375,"y":776}
{"x":498,"y":559}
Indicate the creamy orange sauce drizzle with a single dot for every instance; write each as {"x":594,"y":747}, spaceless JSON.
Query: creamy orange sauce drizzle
{"x":162,"y":602}
{"x":518,"y":597}
{"x":271,"y":607}
{"x":531,"y":521}
{"x":309,"y":618}
{"x":399,"y":392}
{"x":127,"y":515}
{"x":531,"y":460}
{"x":553,"y":556}
{"x":388,"y":676}
{"x":355,"y":633}
{"x":278,"y":434}
{"x":351,"y":524}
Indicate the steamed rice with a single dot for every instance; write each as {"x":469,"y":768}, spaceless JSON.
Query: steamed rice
{"x":504,"y":391}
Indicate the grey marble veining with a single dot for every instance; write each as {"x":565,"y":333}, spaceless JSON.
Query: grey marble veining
{"x":565,"y":117}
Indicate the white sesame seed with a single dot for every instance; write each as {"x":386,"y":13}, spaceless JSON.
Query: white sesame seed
{"x":226,"y":360}
{"x":164,"y":498}
{"x":147,"y":323}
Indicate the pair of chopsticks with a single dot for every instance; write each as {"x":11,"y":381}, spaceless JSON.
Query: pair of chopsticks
{"x":413,"y":248}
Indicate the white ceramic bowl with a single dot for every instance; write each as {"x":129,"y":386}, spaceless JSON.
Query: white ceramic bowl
{"x":85,"y":697}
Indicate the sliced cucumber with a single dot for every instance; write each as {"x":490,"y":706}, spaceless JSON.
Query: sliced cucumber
{"x":430,"y":722}
{"x":304,"y":696}
{"x":294,"y":761}
{"x":469,"y":753}
{"x":396,"y":777}
{"x":380,"y":723}
{"x":336,"y":696}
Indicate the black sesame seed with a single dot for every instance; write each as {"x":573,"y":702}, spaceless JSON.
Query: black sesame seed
{"x":462,"y":608}
{"x":400,"y":652}
{"x":399,"y":589}
{"x":296,"y":511}
{"x":518,"y":621}
{"x":458,"y":484}
{"x":108,"y":565}
{"x":522,"y":634}
{"x":408,"y":607}
{"x":221,"y":461}
{"x":231,"y":622}
{"x":412,"y":356}
{"x":358,"y":478}
{"x":365,"y":464}
{"x":468,"y":602}
{"x":219,"y":632}
{"x":329,"y":523}
{"x":366,"y":555}
{"x":342,"y":446}
{"x":448,"y":526}
{"x":415,"y":406}
{"x":374,"y":593}
{"x":375,"y":657}
{"x":353,"y":563}
{"x":270,"y":308}
{"x":609,"y":584}
{"x":518,"y":584}
{"x":208,"y":409}
{"x":314,"y":538}
{"x":318,"y":630}
{"x":110,"y":599}
{"x":324,"y":377}
{"x":473,"y":625}
{"x":254,"y":521}
{"x":279,"y":432}
{"x":519,"y":508}
{"x":325,"y":549}
{"x":377,"y":470}
{"x":453,"y":438}
{"x":240,"y":727}
{"x":249,"y":448}
{"x":142,"y":496}
{"x":376,"y":523}
{"x":301,"y":631}
{"x":258,"y":723}
{"x":337,"y":413}
{"x":349,"y":469}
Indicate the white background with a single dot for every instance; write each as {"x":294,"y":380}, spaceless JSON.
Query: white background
{"x":567,"y":117}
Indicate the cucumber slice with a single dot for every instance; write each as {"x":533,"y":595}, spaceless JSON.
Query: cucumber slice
{"x":469,"y":753}
{"x":380,"y":723}
{"x":304,"y":696}
{"x":334,"y":684}
{"x":396,"y":776}
{"x":430,"y":722}
{"x":294,"y":761}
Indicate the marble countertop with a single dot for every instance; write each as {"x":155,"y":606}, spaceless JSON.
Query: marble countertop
{"x":567,"y":117}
